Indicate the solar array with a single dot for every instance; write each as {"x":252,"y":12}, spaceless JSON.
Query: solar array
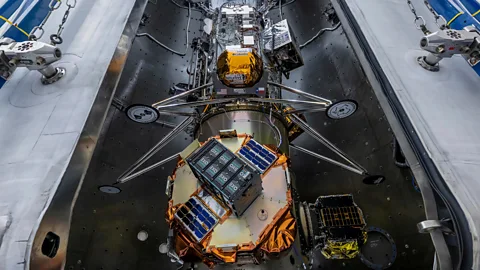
{"x":196,"y":218}
{"x":257,"y":155}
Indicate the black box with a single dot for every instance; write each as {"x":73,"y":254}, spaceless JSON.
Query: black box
{"x":226,"y":176}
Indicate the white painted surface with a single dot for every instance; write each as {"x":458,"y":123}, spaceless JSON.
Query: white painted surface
{"x":443,"y":106}
{"x":40,"y":125}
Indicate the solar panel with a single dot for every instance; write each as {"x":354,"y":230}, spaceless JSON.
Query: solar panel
{"x":257,"y":155}
{"x":196,"y":218}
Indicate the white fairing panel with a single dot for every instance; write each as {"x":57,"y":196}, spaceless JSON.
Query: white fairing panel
{"x":442,"y":106}
{"x":40,"y":125}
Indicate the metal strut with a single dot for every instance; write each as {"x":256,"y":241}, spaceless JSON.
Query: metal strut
{"x":301,"y":93}
{"x":167,"y":107}
{"x":169,"y":137}
{"x":147,"y":169}
{"x":327,"y":159}
{"x":184,"y":94}
{"x":297,"y":120}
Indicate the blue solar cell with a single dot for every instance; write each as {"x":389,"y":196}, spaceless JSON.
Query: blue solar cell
{"x":199,"y":234}
{"x":201,"y":217}
{"x":260,"y":156}
{"x":186,"y":221}
{"x":248,"y":156}
{"x":202,"y":230}
{"x":196,"y":218}
{"x":189,"y":216}
{"x":197,"y":223}
{"x":208,"y":224}
{"x":211,"y":220}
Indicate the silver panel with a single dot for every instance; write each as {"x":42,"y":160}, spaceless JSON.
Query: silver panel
{"x":251,"y":122}
{"x":48,"y":133}
{"x":442,"y":141}
{"x":272,"y":199}
{"x":231,"y":232}
{"x":184,"y":185}
{"x":57,"y":217}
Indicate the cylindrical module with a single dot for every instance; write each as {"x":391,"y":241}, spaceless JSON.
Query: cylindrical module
{"x":265,"y":128}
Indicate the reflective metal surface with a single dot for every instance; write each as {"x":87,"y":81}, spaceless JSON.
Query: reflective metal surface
{"x":58,"y":216}
{"x":251,"y":122}
{"x":104,"y":227}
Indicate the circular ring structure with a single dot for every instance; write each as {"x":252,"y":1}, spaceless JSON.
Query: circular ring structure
{"x":143,"y":114}
{"x":342,"y":109}
{"x":56,"y":39}
{"x":60,"y":73}
{"x":380,"y":251}
{"x":109,"y":189}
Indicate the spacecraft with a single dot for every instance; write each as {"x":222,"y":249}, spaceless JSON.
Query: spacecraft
{"x":232,"y":195}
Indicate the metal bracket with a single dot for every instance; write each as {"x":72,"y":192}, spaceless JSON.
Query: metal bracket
{"x":447,"y":43}
{"x":34,"y":55}
{"x":428,"y":226}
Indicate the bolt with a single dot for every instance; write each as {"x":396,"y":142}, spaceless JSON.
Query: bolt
{"x":440,"y":49}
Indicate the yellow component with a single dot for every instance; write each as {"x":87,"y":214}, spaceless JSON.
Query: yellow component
{"x":282,"y":234}
{"x":239,"y":67}
{"x":14,"y":25}
{"x":341,"y":249}
{"x":454,"y":17}
{"x":206,"y":107}
{"x":476,"y":13}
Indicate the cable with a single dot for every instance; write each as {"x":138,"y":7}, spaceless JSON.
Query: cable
{"x":280,"y":6}
{"x":319,"y":34}
{"x":165,"y":46}
{"x":14,"y":25}
{"x":184,"y":7}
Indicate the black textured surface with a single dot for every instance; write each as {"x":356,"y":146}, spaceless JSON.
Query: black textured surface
{"x":105,"y":226}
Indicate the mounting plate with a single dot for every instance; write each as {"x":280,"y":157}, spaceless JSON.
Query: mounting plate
{"x":143,"y":114}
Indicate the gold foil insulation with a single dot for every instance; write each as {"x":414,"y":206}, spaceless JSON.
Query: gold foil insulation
{"x":342,"y":249}
{"x":276,"y":237}
{"x":282,"y":235}
{"x":239,"y":67}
